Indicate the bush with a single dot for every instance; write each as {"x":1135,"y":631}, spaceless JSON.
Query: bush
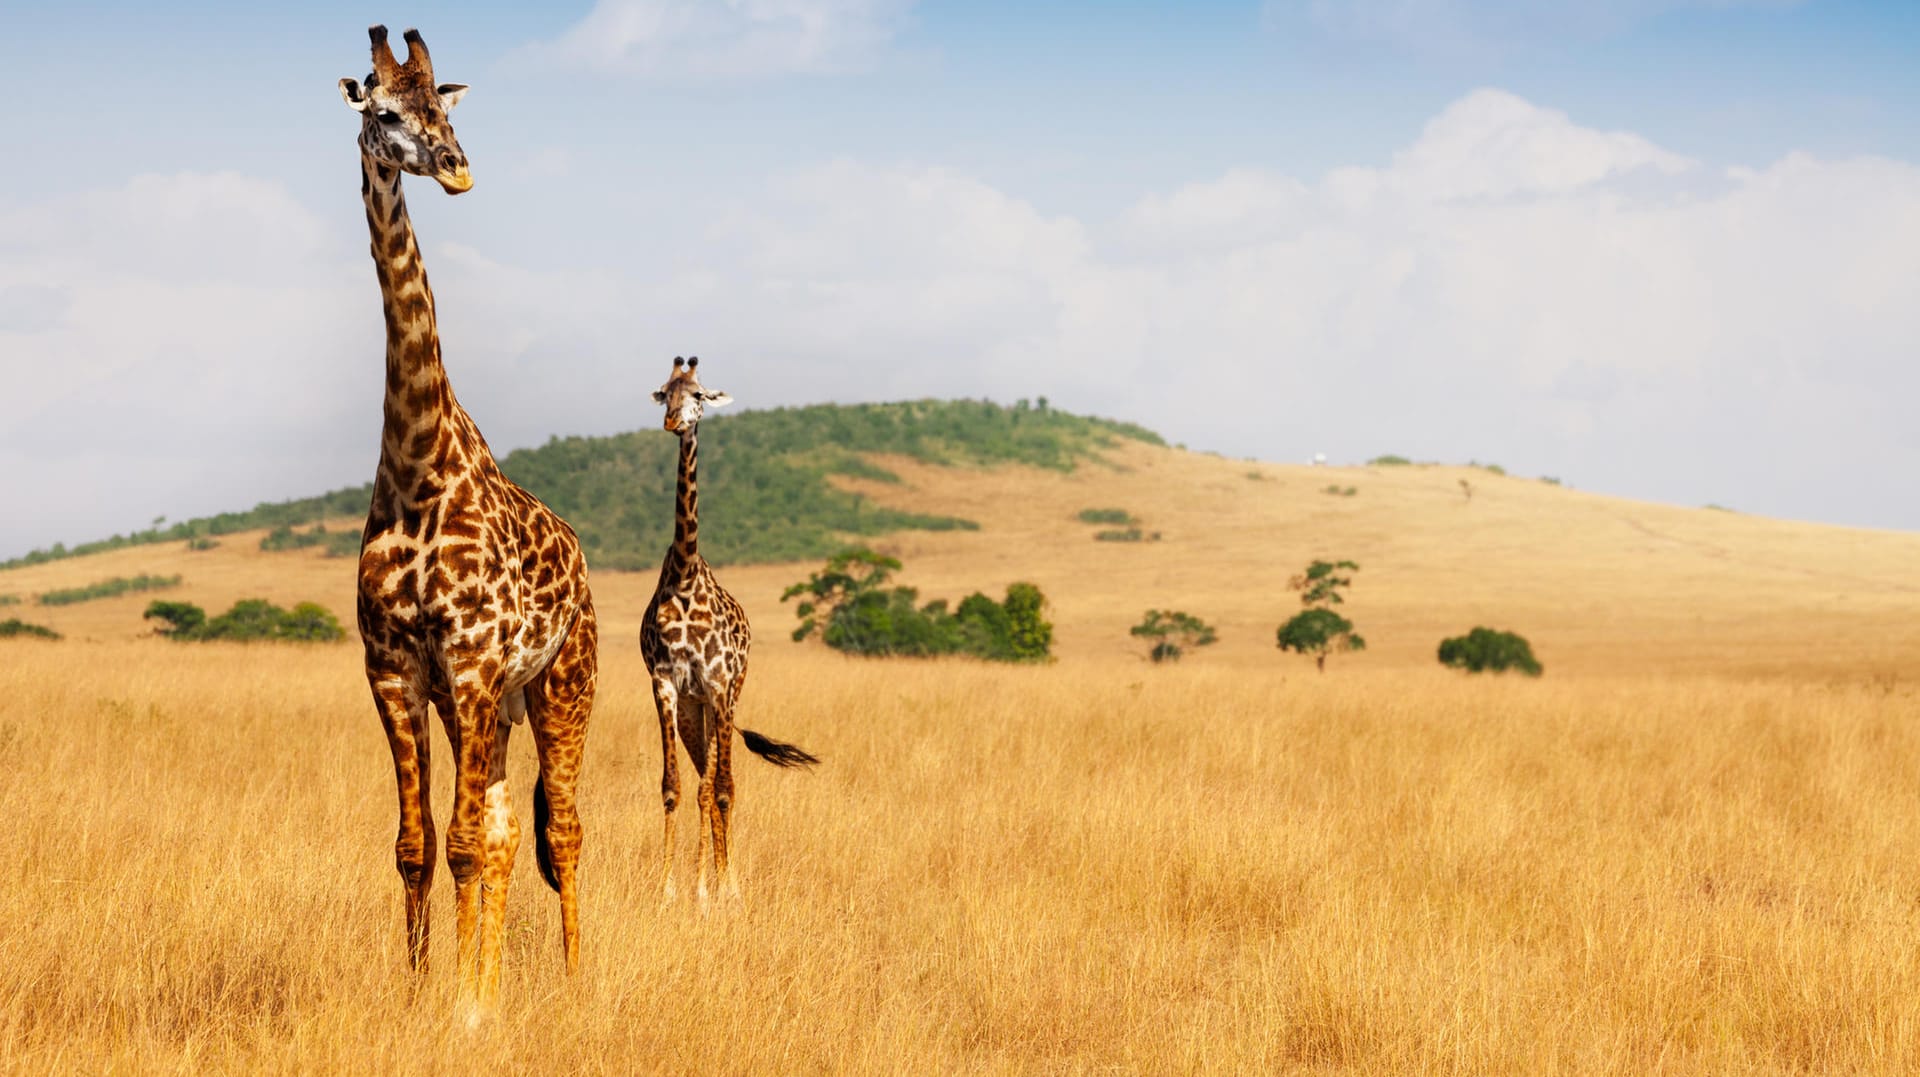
{"x":854,"y":611}
{"x":9,"y":600}
{"x":1489,"y":649}
{"x":249,"y":619}
{"x":337,"y":543}
{"x":1106,"y":516}
{"x":1173,"y":633}
{"x":1389,"y":460}
{"x":1341,"y":491}
{"x":1131,"y":534}
{"x":14,"y":626}
{"x":119,"y":585}
{"x":202,"y":544}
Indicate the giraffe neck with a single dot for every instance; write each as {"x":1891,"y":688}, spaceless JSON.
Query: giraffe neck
{"x":424,"y":431}
{"x":686,"y":517}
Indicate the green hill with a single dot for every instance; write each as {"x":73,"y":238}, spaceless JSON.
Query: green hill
{"x":764,"y":490}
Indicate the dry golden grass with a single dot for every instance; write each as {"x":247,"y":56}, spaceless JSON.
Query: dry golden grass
{"x":1689,"y":849}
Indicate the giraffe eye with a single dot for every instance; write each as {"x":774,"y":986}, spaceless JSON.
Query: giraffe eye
{"x":387,"y":117}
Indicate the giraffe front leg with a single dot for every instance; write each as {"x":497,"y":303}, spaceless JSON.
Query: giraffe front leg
{"x":470,"y":846}
{"x":500,"y":844}
{"x":403,"y":712}
{"x":666,"y":701}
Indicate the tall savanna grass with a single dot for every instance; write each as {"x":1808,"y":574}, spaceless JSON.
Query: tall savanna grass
{"x":1091,"y":866}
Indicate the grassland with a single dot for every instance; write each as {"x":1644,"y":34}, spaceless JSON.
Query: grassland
{"x":1689,"y":848}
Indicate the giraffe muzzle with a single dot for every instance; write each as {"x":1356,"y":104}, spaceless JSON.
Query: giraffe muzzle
{"x":451,"y":173}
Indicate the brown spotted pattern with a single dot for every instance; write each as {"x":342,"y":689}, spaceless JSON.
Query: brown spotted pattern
{"x":472,"y":594}
{"x":694,"y":637}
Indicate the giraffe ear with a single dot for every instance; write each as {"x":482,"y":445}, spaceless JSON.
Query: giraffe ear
{"x":659,"y":396}
{"x":716,"y":400}
{"x":450,"y":94}
{"x":355,"y":95}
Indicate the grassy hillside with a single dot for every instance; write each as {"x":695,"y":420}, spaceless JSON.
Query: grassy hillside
{"x":763,"y":481}
{"x":1687,"y":849}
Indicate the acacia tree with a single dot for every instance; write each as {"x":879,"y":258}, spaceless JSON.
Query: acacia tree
{"x":1317,"y":630}
{"x":1172,"y":632}
{"x":846,"y":578}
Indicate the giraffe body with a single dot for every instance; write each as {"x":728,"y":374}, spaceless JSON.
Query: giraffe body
{"x":472,"y":594}
{"x":694,"y":637}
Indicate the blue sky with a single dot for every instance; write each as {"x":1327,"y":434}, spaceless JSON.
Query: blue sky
{"x":1667,"y":249}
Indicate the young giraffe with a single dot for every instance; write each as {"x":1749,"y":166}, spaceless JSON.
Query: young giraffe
{"x":694,"y":637}
{"x":472,"y":594}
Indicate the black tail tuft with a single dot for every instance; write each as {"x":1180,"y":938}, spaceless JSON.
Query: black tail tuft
{"x":543,"y":849}
{"x":779,"y":753}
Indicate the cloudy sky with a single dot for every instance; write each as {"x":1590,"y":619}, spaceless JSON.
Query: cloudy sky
{"x":1668,"y":249}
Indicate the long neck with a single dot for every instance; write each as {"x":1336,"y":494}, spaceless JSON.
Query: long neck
{"x":686,"y":518}
{"x":420,"y":435}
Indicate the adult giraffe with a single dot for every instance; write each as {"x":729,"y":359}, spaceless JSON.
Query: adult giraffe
{"x":694,"y":637}
{"x":472,"y":594}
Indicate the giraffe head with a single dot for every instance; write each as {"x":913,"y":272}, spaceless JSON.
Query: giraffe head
{"x":404,"y":114}
{"x":686,"y":399}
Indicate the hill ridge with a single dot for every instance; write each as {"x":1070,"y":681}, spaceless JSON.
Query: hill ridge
{"x":763,"y":477}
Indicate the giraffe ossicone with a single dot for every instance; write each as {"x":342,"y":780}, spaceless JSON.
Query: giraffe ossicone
{"x":694,"y":637}
{"x":472,"y":595}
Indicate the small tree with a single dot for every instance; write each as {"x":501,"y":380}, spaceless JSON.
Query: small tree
{"x":1172,"y":633}
{"x":1489,"y":649}
{"x":850,"y":575}
{"x":1321,"y":583}
{"x":181,"y":620}
{"x":1030,"y":633}
{"x":1319,"y":632}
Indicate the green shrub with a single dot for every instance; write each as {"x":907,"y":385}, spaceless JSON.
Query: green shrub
{"x":119,"y":585}
{"x":14,"y":626}
{"x":1106,"y":516}
{"x":202,"y":544}
{"x":1130,"y":534}
{"x":9,"y":600}
{"x":854,"y":611}
{"x":1389,"y":460}
{"x":1341,"y":491}
{"x":1489,"y":649}
{"x":1172,"y":633}
{"x":336,"y":543}
{"x":180,"y":620}
{"x":249,"y":619}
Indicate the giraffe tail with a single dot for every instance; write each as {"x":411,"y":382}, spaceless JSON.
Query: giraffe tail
{"x":779,"y":753}
{"x":542,"y":847}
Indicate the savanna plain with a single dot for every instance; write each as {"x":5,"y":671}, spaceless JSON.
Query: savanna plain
{"x":1693,"y":846}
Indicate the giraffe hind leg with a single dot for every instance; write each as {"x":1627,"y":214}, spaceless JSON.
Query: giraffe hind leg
{"x":560,"y":707}
{"x":696,"y":732}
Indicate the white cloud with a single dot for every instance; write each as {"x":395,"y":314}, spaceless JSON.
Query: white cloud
{"x":192,"y":350}
{"x":1477,"y":26}
{"x":1511,"y":286}
{"x":726,"y":39}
